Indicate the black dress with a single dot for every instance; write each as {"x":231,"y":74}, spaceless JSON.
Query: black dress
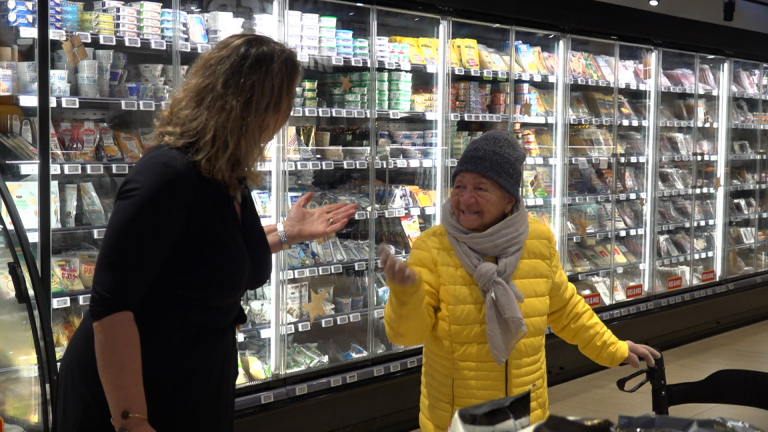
{"x":177,"y":256}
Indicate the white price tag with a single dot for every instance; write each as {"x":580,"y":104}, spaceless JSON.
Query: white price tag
{"x":378,"y":313}
{"x":304,"y":58}
{"x":147,"y":106}
{"x":402,"y":163}
{"x":314,"y":166}
{"x":525,"y":77}
{"x":325,"y":270}
{"x":107,"y":40}
{"x":361,"y":164}
{"x":357,"y":62}
{"x":335,"y":381}
{"x":336,"y":269}
{"x":474,"y":72}
{"x":342,"y":319}
{"x":60,"y":303}
{"x":119,"y":169}
{"x":290,"y":166}
{"x":458,"y":71}
{"x":157,"y":44}
{"x":57,"y":34}
{"x":389,"y":213}
{"x":310,"y":112}
{"x":355,"y":317}
{"x":427,"y":163}
{"x":349,"y":113}
{"x":72,"y":169}
{"x":487,"y":73}
{"x":70,"y":103}
{"x":301,"y":390}
{"x":429,"y":210}
{"x":359,"y":113}
{"x":455,"y":117}
{"x":394,"y":114}
{"x":430,"y":115}
{"x":94,"y":169}
{"x":414,"y":163}
{"x":351,"y":378}
{"x":323,"y":112}
{"x":304,"y":326}
{"x":290,"y":329}
{"x":133,"y":42}
{"x":31,"y":101}
{"x":360,"y":266}
{"x":390,"y":65}
{"x":337,"y":61}
{"x":337,"y":112}
{"x":394,"y":367}
{"x":31,"y":32}
{"x":406,"y":66}
{"x":185,"y":46}
{"x":412,"y":363}
{"x":399,"y":212}
{"x":431,"y":68}
{"x":378,"y":371}
{"x":28,"y":169}
{"x":415,"y":211}
{"x":84,"y":299}
{"x":201,"y":48}
{"x":349,"y":164}
{"x":327,"y":322}
{"x":129,"y":105}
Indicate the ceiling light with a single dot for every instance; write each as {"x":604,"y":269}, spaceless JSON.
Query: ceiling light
{"x":653,"y":2}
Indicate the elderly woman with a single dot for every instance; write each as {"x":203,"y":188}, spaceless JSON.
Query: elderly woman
{"x":479,"y":291}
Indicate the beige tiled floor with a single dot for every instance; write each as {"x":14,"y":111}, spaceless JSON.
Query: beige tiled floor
{"x":596,"y":395}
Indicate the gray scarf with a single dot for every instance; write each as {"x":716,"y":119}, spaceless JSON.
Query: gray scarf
{"x":503,"y":319}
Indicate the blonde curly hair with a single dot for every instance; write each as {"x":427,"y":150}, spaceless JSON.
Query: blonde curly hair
{"x":236,"y":97}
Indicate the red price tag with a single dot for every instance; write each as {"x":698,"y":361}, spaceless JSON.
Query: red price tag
{"x":675,"y":282}
{"x":708,"y":276}
{"x":593,"y":300}
{"x":634,"y":291}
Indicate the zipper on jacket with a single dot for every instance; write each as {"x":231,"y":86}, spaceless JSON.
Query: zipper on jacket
{"x":506,"y":378}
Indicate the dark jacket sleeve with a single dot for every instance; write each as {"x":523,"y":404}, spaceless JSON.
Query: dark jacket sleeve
{"x":151,"y":207}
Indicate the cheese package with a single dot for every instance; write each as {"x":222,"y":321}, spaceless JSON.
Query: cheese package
{"x":469,"y":54}
{"x":525,"y":58}
{"x":603,"y":252}
{"x":486,"y":61}
{"x":69,"y":269}
{"x":24,"y":196}
{"x":578,"y":69}
{"x":429,"y":50}
{"x":87,"y":268}
{"x":498,"y":61}
{"x":414,"y":50}
{"x":130,"y":145}
{"x":455,"y":58}
{"x":538,"y":58}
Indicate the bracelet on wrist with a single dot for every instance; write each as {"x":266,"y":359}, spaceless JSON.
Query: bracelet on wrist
{"x":125,"y":415}
{"x":282,"y":236}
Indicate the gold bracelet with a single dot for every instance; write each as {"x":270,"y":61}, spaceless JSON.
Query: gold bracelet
{"x":125,"y":415}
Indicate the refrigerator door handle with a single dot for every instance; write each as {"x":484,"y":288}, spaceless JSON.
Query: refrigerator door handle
{"x":17,"y":276}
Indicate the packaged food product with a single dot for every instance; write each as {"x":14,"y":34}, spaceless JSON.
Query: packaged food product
{"x":69,"y":205}
{"x":538,"y":57}
{"x":94,"y":213}
{"x":130,"y":145}
{"x":455,"y":56}
{"x":525,"y":58}
{"x":107,"y":142}
{"x":87,"y":268}
{"x":429,"y":50}
{"x":69,"y":268}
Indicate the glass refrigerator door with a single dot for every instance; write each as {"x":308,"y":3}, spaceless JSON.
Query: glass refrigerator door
{"x":591,"y":173}
{"x":631,"y":206}
{"x":410,"y":161}
{"x":535,"y":101}
{"x":745,"y":231}
{"x":107,"y":86}
{"x":325,"y":292}
{"x":22,"y":304}
{"x":256,"y":338}
{"x":709,"y":162}
{"x":760,"y":76}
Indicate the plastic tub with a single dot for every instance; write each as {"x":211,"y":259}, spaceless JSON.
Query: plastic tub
{"x":309,"y":84}
{"x":327,"y":42}
{"x":310,"y":30}
{"x":310,"y":102}
{"x":352,"y":97}
{"x":327,"y":51}
{"x":310,"y":41}
{"x":345,"y":42}
{"x":127,"y":33}
{"x":150,"y":14}
{"x":328,"y":32}
{"x":310,"y":19}
{"x":344,"y":34}
{"x":150,"y":22}
{"x":327,"y":21}
{"x":145,"y":5}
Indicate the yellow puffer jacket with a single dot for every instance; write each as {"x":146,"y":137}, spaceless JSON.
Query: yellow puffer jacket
{"x":444,"y":310}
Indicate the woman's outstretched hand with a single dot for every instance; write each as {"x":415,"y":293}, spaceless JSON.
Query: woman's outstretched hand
{"x":638,"y":351}
{"x":304,"y":224}
{"x":396,"y":271}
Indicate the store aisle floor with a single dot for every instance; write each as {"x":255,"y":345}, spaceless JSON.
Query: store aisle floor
{"x":596,"y":395}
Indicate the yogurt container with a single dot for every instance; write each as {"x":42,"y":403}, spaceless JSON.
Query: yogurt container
{"x":126,"y":26}
{"x":310,"y":93}
{"x":400,"y":76}
{"x":298,"y":102}
{"x":352,"y":97}
{"x":121,"y":10}
{"x":150,"y":14}
{"x":327,"y":51}
{"x":155,"y":36}
{"x":310,"y":102}
{"x":310,"y":19}
{"x":351,"y":105}
{"x":328,"y":32}
{"x":345,"y":42}
{"x":150,"y":22}
{"x":127,"y":33}
{"x":294,"y":16}
{"x":151,"y":29}
{"x":400,"y":86}
{"x":146,"y":5}
{"x":294,"y":28}
{"x":359,"y":89}
{"x":361,"y":43}
{"x":310,"y":30}
{"x":327,"y":21}
{"x":337,"y":91}
{"x":430,"y":134}
{"x":327,"y":42}
{"x":400,"y":96}
{"x":294,"y":39}
{"x":344,"y":34}
{"x":309,"y":84}
{"x":382,"y":76}
{"x":130,"y":19}
{"x":310,"y":41}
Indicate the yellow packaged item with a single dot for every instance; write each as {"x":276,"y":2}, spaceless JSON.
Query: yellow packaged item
{"x":486,"y":62}
{"x":538,"y":58}
{"x":130,"y":145}
{"x":429,"y":50}
{"x":469,"y":54}
{"x":499,"y":61}
{"x":414,"y":50}
{"x":455,"y":49}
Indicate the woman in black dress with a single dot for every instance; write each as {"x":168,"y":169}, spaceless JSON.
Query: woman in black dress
{"x":157,"y":350}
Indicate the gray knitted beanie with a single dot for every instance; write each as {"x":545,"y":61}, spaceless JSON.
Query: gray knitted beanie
{"x":498,"y":156}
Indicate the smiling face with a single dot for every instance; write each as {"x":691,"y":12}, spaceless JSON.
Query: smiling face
{"x":479,"y":202}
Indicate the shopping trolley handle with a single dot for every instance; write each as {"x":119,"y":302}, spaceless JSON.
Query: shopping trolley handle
{"x":654,"y":374}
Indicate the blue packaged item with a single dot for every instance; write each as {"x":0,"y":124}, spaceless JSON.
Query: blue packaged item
{"x":19,"y":7}
{"x":55,"y":20}
{"x":68,"y":7}
{"x":344,"y":42}
{"x":53,"y":26}
{"x":344,"y":34}
{"x":19,"y":20}
{"x":197,"y":30}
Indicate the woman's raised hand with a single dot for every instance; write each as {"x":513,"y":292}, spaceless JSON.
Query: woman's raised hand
{"x":396,"y":271}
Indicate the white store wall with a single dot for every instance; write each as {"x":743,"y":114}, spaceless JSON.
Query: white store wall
{"x":748,"y":16}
